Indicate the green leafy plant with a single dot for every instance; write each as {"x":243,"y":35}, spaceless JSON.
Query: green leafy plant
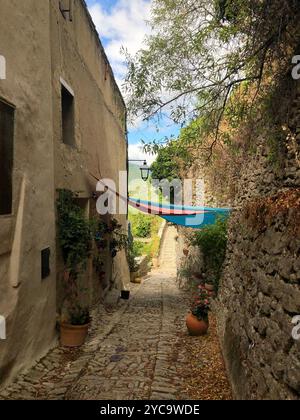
{"x":212,"y":241}
{"x":79,"y":315}
{"x":201,"y":304}
{"x":201,"y":50}
{"x":134,"y":249}
{"x":74,"y":232}
{"x":98,"y":263}
{"x":141,"y":225}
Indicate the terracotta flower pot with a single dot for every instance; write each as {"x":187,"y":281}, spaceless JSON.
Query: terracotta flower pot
{"x":195,"y":327}
{"x":73,"y":335}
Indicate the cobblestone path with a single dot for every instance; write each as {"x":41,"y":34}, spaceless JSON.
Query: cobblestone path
{"x":132,"y":352}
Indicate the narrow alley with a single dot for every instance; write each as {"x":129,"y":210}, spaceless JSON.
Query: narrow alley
{"x":130,"y":353}
{"x":134,"y":351}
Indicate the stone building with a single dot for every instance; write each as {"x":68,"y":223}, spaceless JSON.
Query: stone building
{"x":62,"y":117}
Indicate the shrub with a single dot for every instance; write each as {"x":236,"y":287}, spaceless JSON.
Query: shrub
{"x":212,"y":241}
{"x":141,"y":225}
{"x":134,"y":250}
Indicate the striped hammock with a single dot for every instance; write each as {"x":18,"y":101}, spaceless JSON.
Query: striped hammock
{"x":188,"y":216}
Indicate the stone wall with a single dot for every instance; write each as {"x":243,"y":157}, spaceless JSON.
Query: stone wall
{"x":260,"y":288}
{"x":258,"y":299}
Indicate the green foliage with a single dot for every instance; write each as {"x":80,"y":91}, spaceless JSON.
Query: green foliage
{"x":79,"y":316}
{"x":134,"y":250}
{"x":80,"y":239}
{"x":165,"y":167}
{"x":153,"y":224}
{"x":152,"y":248}
{"x":141,"y":225}
{"x":201,"y":305}
{"x":213,"y":243}
{"x":74,"y":232}
{"x":201,"y":50}
{"x":138,"y":249}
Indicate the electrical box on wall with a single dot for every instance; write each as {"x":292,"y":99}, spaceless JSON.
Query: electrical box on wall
{"x":45,"y":256}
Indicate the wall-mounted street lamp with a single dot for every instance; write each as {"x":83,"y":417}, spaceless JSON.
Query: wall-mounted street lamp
{"x":145,"y":169}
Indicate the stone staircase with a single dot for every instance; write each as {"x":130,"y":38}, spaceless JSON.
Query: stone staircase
{"x":167,"y":261}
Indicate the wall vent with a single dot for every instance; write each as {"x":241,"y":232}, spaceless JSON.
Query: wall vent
{"x":45,"y":263}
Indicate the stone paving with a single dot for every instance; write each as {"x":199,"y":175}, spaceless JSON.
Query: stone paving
{"x":133,"y":351}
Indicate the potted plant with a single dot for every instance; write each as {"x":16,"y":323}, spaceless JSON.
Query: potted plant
{"x":133,"y":267}
{"x":75,"y":234}
{"x":133,"y":251}
{"x":74,"y":332}
{"x":197,"y":321}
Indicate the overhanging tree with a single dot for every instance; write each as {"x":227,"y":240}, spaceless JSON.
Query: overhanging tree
{"x":200,"y":51}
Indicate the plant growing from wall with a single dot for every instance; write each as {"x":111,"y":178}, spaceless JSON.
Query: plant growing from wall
{"x":75,"y":239}
{"x":119,"y":239}
{"x":212,"y":241}
{"x":74,"y":232}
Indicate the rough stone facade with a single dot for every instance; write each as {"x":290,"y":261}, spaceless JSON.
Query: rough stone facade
{"x":46,"y":52}
{"x":259,"y":294}
{"x":260,"y":290}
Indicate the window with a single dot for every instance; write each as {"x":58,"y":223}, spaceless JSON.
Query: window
{"x":67,"y":109}
{"x":6,"y":157}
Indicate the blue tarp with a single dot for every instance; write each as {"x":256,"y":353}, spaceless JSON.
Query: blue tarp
{"x":203,"y":216}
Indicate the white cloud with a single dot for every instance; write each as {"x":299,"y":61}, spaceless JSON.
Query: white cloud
{"x":135,"y":151}
{"x":124,"y":25}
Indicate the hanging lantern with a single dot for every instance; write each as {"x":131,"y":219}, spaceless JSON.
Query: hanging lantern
{"x":145,"y":171}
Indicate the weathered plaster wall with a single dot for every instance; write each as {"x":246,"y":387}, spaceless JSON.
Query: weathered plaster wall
{"x":100,"y":132}
{"x":41,"y":47}
{"x":27,"y":303}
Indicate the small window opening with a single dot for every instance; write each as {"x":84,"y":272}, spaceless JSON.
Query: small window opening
{"x":67,"y":109}
{"x":45,"y":263}
{"x":6,"y":157}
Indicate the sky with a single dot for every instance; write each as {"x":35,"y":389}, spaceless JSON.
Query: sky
{"x":122,"y":23}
